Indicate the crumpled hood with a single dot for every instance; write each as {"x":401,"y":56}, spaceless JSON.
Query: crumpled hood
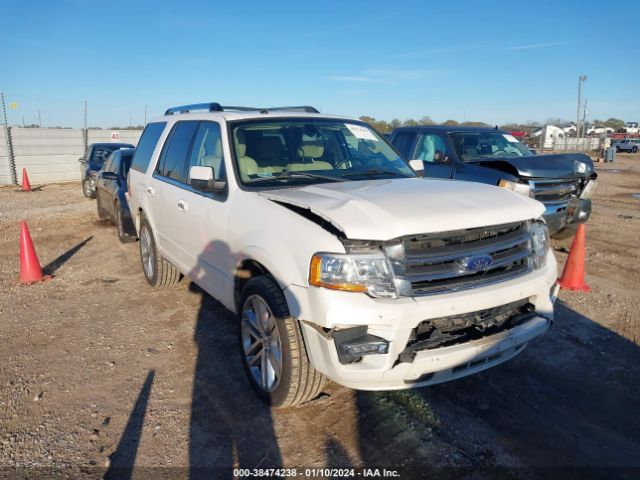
{"x":561,"y":165}
{"x":386,"y":209}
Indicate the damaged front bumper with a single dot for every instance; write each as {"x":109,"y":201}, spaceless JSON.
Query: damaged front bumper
{"x":563,"y":214}
{"x":375,"y":344}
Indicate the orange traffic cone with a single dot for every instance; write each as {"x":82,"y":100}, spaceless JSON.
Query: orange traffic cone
{"x":573,"y":274}
{"x":30,"y":269}
{"x":26,"y":186}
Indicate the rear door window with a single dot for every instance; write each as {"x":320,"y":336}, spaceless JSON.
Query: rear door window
{"x":146,"y":146}
{"x":403,"y":142}
{"x":173,"y":161}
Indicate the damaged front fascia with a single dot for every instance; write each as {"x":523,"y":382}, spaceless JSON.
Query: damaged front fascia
{"x":351,"y":246}
{"x":314,"y":217}
{"x":327,"y":333}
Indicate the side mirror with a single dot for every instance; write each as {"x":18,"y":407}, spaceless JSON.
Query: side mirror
{"x":203,"y":178}
{"x":109,"y":175}
{"x":417,"y":166}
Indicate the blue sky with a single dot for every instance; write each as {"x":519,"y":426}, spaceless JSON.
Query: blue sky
{"x":491,"y":61}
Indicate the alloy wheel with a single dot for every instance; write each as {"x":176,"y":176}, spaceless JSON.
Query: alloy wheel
{"x":261,"y":343}
{"x":146,"y":252}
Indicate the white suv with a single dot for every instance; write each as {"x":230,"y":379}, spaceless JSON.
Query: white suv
{"x":339,"y":261}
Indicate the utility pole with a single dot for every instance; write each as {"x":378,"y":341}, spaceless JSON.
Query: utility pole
{"x":584,"y":119}
{"x":39,"y":119}
{"x":85,"y":132}
{"x":581,"y":79}
{"x":7,"y":137}
{"x":129,"y":118}
{"x":145,"y":114}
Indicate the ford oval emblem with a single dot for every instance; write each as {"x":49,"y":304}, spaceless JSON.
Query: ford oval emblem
{"x":475,"y":263}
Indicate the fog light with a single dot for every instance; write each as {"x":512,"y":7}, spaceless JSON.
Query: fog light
{"x":353,"y":343}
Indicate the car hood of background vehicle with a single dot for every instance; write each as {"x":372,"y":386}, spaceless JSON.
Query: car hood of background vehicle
{"x":386,"y":209}
{"x":542,"y":166}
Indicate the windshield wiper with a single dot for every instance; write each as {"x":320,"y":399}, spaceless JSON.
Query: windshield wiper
{"x":291,"y":175}
{"x":377,"y":171}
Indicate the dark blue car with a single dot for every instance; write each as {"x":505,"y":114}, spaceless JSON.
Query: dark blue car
{"x":92,"y":162}
{"x":564,"y":183}
{"x":111,"y":186}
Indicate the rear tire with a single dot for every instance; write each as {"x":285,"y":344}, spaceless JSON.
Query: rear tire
{"x":157,"y":271}
{"x":272,"y":348}
{"x":634,"y":150}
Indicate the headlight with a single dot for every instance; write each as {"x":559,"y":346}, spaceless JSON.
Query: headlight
{"x":522,"y":188}
{"x":580,"y":167}
{"x":369,"y":273}
{"x":539,"y":244}
{"x":588,"y":190}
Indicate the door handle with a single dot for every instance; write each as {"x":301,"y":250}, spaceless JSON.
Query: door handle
{"x":150,"y":191}
{"x":182,"y":205}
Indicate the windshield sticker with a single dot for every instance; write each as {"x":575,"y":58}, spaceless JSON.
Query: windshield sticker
{"x":510,"y":138}
{"x":361,"y":132}
{"x":265,"y":174}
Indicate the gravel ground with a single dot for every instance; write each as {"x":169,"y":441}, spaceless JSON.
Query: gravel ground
{"x":100,"y":372}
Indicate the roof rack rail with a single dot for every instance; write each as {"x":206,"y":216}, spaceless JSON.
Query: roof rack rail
{"x":302,"y":108}
{"x":212,"y":107}
{"x":216,"y":107}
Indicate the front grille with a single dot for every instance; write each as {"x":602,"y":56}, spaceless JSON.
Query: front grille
{"x":554,"y":190}
{"x":434,"y":263}
{"x":455,"y":329}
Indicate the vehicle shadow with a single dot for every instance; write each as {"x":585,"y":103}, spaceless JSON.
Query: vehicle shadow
{"x":230,"y":426}
{"x":123,"y":459}
{"x":566,"y":406}
{"x":54,"y":265}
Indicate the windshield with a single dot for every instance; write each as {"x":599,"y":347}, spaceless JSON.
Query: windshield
{"x":487,"y":145}
{"x":102,"y":152}
{"x":277,"y":152}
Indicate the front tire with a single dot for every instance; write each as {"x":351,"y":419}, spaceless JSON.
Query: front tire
{"x":273,"y":351}
{"x":567,"y":232}
{"x":157,"y":271}
{"x":89,"y":188}
{"x":634,"y":150}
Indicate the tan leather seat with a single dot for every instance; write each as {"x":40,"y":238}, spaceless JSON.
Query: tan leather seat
{"x":246,"y":165}
{"x":311,"y":153}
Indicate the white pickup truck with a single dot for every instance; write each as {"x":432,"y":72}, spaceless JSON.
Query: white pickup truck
{"x":339,"y":261}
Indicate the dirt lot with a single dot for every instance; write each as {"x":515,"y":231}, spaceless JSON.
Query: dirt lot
{"x":100,"y":371}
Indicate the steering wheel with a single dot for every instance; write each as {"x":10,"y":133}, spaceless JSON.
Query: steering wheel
{"x":501,"y":153}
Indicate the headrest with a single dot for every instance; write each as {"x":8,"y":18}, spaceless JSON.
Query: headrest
{"x":311,"y":151}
